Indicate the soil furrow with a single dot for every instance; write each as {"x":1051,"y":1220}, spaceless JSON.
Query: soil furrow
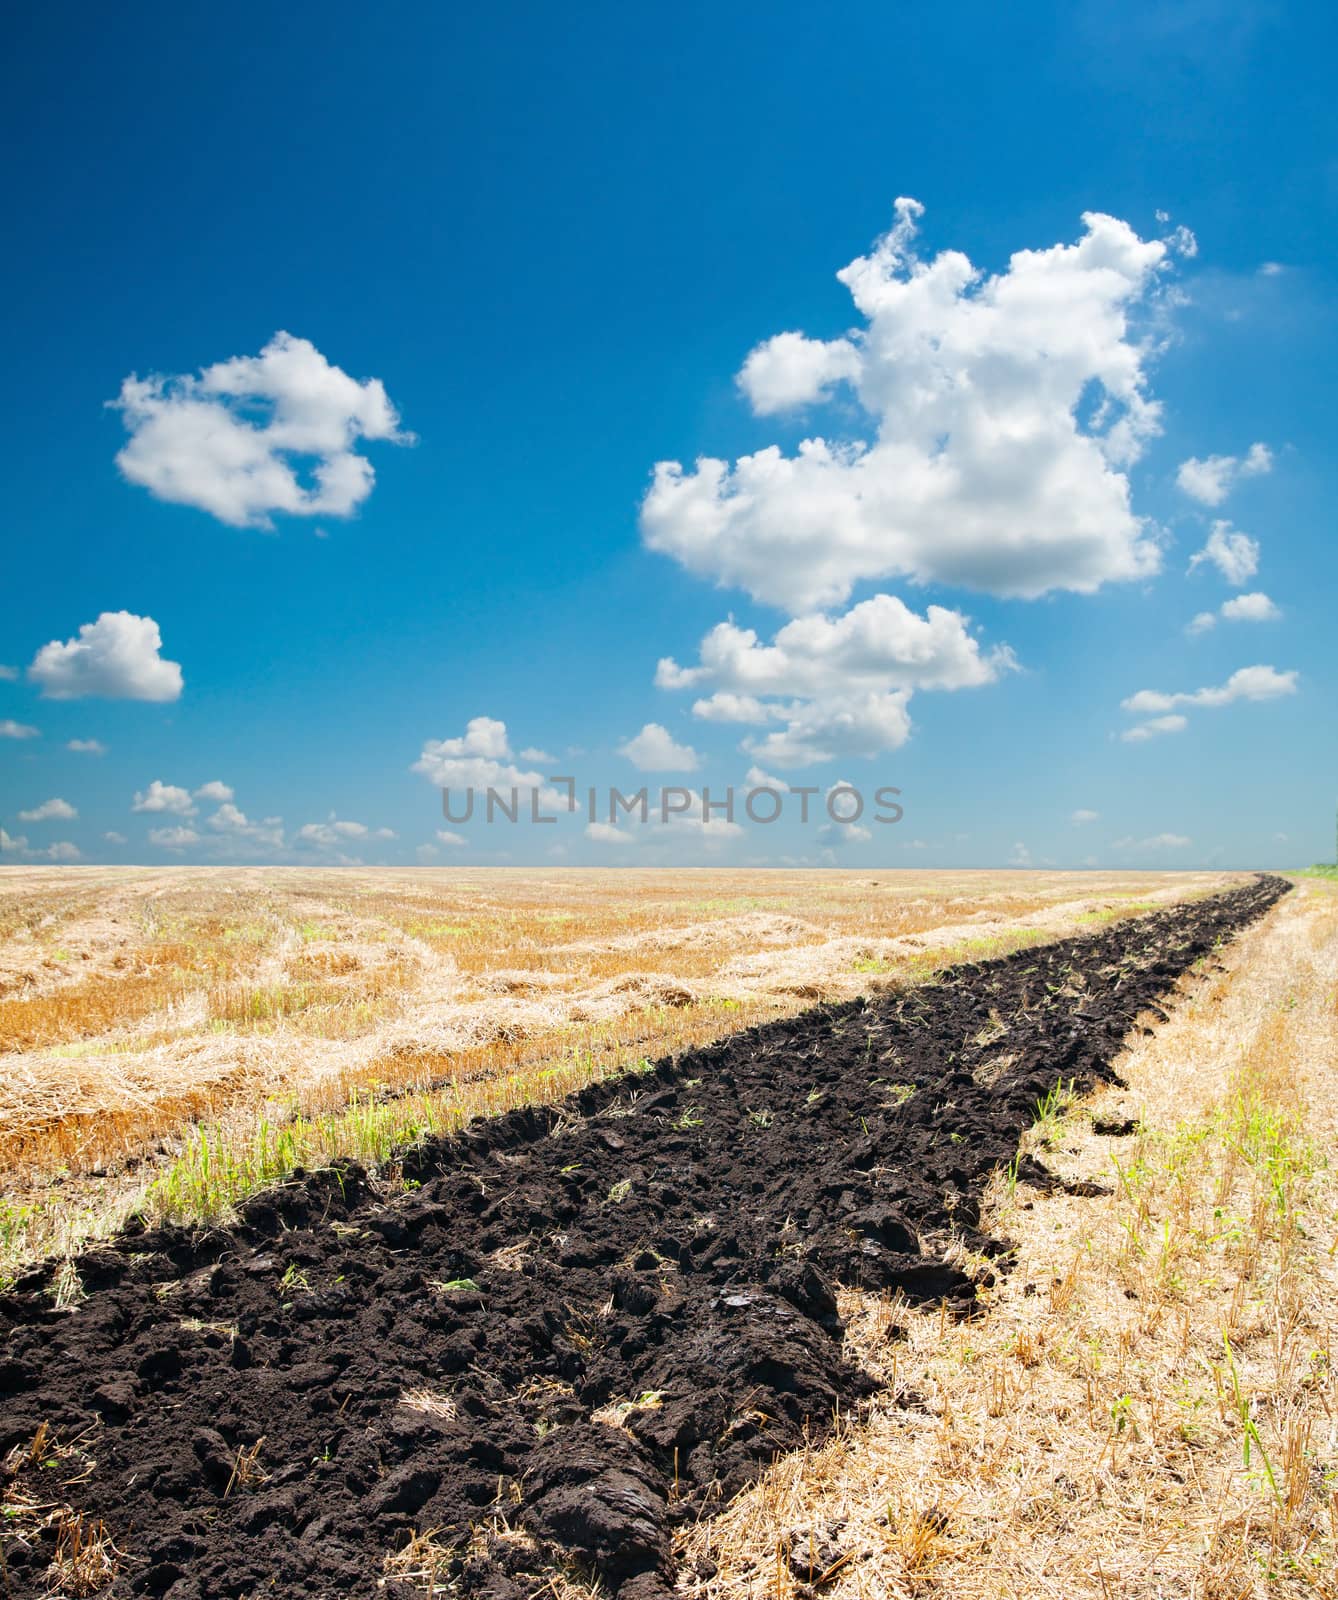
{"x":587,"y":1323}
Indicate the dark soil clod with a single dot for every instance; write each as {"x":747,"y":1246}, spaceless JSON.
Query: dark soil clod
{"x":648,"y":1251}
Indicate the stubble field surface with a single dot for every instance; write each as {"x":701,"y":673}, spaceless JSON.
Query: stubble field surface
{"x":172,"y":1039}
{"x":1006,"y":1268}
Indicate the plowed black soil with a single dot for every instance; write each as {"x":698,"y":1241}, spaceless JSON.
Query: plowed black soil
{"x":670,"y":1238}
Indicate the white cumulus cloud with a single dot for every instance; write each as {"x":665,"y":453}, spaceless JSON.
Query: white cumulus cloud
{"x":654,"y":749}
{"x":839,"y":685}
{"x":1246,"y":683}
{"x":1212,"y":479}
{"x":160,"y":796}
{"x":1233,"y":553}
{"x":173,"y":838}
{"x":1155,"y":728}
{"x":236,"y":827}
{"x":49,"y":810}
{"x":87,"y":747}
{"x":9,"y":729}
{"x":606,"y":833}
{"x":215,"y":791}
{"x":1002,"y":408}
{"x":237,"y":440}
{"x":337,"y":831}
{"x":118,"y":657}
{"x":1254,"y":607}
{"x":479,"y":759}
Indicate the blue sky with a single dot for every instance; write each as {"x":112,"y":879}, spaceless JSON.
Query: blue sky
{"x":525,"y":255}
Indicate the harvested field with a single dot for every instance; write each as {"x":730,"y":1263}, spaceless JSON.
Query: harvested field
{"x":586,"y":1329}
{"x":172,"y":1039}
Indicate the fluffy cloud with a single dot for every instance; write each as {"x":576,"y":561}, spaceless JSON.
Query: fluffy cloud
{"x":1155,"y":728}
{"x":334,"y":831}
{"x":173,"y":838}
{"x":50,"y":810}
{"x":1256,"y":607}
{"x":790,"y":370}
{"x":117,"y":657}
{"x":606,"y":833}
{"x":456,"y":841}
{"x":1211,"y":480}
{"x":840,"y":685}
{"x":235,"y":826}
{"x":87,"y":747}
{"x":878,"y":644}
{"x":1081,"y":818}
{"x":233,"y":441}
{"x":62,"y":850}
{"x":1003,"y":408}
{"x":820,"y":730}
{"x":1250,"y":608}
{"x":215,"y":791}
{"x":115,"y":838}
{"x":480,"y":759}
{"x":655,"y":750}
{"x":160,"y":796}
{"x":1246,"y":683}
{"x":1234,"y":554}
{"x":9,"y":729}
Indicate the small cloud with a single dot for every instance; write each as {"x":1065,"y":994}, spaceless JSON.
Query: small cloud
{"x":62,"y":850}
{"x":166,"y":797}
{"x":1254,"y":607}
{"x":1271,"y":269}
{"x":654,"y":750}
{"x":10,"y":845}
{"x":237,"y":441}
{"x":605,"y":833}
{"x":334,"y":831}
{"x":530,"y":753}
{"x":1158,"y":841}
{"x":87,"y":747}
{"x":173,"y":838}
{"x":50,"y":810}
{"x":8,"y":674}
{"x":1081,"y":818}
{"x":235,"y":824}
{"x":1200,"y":623}
{"x":456,"y":841}
{"x":1021,"y":856}
{"x":1246,"y":683}
{"x":1233,"y":553}
{"x":113,"y":837}
{"x":215,"y":791}
{"x":9,"y":729}
{"x":118,"y":657}
{"x":1211,"y":479}
{"x":426,"y":853}
{"x":1154,"y":728}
